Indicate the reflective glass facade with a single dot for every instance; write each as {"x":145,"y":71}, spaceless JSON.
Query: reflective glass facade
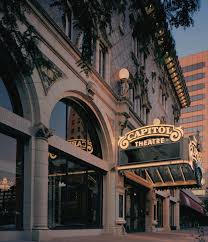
{"x":75,"y":193}
{"x":193,"y":67}
{"x":193,"y":108}
{"x":11,"y":182}
{"x":196,"y":87}
{"x":9,"y":97}
{"x":75,"y":123}
{"x":5,"y":101}
{"x":195,"y":77}
{"x":191,"y":119}
{"x":197,"y":97}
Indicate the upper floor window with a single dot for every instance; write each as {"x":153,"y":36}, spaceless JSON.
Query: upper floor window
{"x":5,"y":101}
{"x":9,"y":97}
{"x":195,"y":77}
{"x":193,"y":67}
{"x":193,"y":129}
{"x":193,"y":108}
{"x":197,"y":97}
{"x":102,"y":60}
{"x":136,"y":47}
{"x":62,"y":17}
{"x":191,"y":119}
{"x":67,"y":22}
{"x":196,"y":87}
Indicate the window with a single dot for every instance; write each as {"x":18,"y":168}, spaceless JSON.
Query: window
{"x":121,"y":206}
{"x":193,"y":129}
{"x":191,"y":119}
{"x":136,"y":47}
{"x":193,"y":108}
{"x":11,"y":182}
{"x":9,"y":97}
{"x":58,"y":15}
{"x":5,"y":101}
{"x":74,"y":193}
{"x":197,"y":97}
{"x":159,"y":212}
{"x":102,"y":60}
{"x":65,"y":120}
{"x":68,"y":23}
{"x":194,"y":77}
{"x":172,"y":211}
{"x":193,"y":67}
{"x":196,"y":87}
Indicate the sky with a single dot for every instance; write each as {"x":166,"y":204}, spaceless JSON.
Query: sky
{"x":193,"y":39}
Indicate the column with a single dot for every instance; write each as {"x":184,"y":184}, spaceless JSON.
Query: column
{"x":109,"y":208}
{"x":166,"y":213}
{"x":149,"y":213}
{"x":40,"y":192}
{"x":177,"y":210}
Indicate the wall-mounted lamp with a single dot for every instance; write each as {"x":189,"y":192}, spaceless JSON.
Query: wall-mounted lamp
{"x":123,"y":76}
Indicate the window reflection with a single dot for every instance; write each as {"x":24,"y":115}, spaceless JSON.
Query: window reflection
{"x":75,"y":123}
{"x":11,"y":183}
{"x":159,"y":212}
{"x":75,"y":193}
{"x":9,"y":97}
{"x":5,"y":101}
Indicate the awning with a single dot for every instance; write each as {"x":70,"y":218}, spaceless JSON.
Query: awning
{"x":166,"y":175}
{"x":158,"y":154}
{"x":187,"y":201}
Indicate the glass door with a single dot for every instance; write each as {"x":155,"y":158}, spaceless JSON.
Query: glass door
{"x":135,"y":210}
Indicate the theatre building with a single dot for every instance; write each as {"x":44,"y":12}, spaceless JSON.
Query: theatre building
{"x":86,"y":155}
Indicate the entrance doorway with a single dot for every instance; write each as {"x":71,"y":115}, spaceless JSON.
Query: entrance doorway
{"x":135,"y":207}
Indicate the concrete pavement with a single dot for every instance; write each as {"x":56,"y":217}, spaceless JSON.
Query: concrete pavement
{"x":172,"y":236}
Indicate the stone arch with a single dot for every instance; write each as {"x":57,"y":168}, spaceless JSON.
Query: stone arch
{"x":29,"y":98}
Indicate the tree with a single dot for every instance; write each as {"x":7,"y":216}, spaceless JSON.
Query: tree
{"x":92,"y":17}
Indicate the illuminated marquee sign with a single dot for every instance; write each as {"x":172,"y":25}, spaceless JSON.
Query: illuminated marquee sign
{"x":151,"y":135}
{"x":82,"y":143}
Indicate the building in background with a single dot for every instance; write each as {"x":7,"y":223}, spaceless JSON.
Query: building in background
{"x":194,"y":119}
{"x":61,"y":171}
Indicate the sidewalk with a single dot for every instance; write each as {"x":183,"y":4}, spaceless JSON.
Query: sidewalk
{"x":171,"y":236}
{"x":181,"y":236}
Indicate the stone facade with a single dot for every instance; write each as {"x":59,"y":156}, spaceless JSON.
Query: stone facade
{"x":117,"y":114}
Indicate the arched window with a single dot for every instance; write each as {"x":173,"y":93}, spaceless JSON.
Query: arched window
{"x":9,"y":97}
{"x":5,"y":101}
{"x":75,"y":187}
{"x":76,"y":123}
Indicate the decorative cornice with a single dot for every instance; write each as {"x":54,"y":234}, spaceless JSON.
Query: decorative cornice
{"x":41,"y":131}
{"x":50,"y":75}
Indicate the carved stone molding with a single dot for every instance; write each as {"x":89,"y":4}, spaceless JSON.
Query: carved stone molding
{"x":176,"y":112}
{"x":49,"y":75}
{"x":123,"y":121}
{"x":91,"y":89}
{"x":41,"y":131}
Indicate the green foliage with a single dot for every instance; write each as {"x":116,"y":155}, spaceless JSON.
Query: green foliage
{"x":19,"y":47}
{"x":92,"y":17}
{"x":180,"y":13}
